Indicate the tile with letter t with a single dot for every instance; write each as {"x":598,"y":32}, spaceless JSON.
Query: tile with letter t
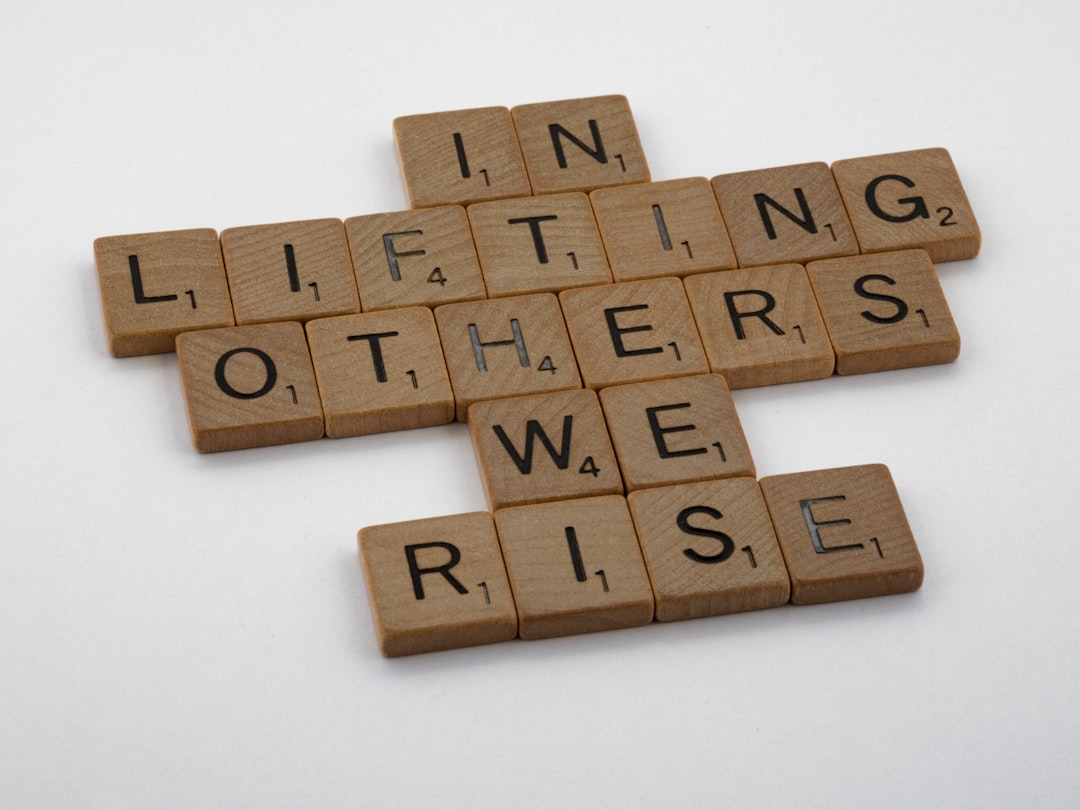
{"x":156,"y":285}
{"x":249,"y":386}
{"x":844,"y":533}
{"x":574,"y":567}
{"x":437,"y":584}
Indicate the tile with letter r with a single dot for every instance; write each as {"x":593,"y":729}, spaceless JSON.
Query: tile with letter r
{"x":574,"y":567}
{"x":784,"y":214}
{"x":380,"y":371}
{"x":884,"y":311}
{"x":420,"y":257}
{"x":580,"y":144}
{"x":843,"y":533}
{"x":709,"y":548}
{"x":437,"y":584}
{"x":249,"y":386}
{"x":156,"y":285}
{"x":761,"y":326}
{"x":909,"y":200}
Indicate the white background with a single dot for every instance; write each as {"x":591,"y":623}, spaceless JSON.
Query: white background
{"x":186,"y":631}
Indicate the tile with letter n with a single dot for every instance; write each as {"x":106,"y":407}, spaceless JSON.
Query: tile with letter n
{"x":884,"y":311}
{"x":380,"y":371}
{"x":574,"y":567}
{"x":784,"y":214}
{"x":249,"y":386}
{"x":676,"y":431}
{"x":710,"y":548}
{"x":156,"y":285}
{"x":843,"y":533}
{"x":437,"y":584}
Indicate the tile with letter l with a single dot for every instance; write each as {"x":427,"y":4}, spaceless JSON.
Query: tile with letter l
{"x":843,"y":533}
{"x":156,"y":285}
{"x":710,"y":548}
{"x":437,"y":584}
{"x":574,"y":567}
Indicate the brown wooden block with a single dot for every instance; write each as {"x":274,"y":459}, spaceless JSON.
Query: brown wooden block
{"x":505,"y":347}
{"x":538,"y":244}
{"x":459,"y":157}
{"x":545,"y":447}
{"x":380,"y":371}
{"x":909,"y":200}
{"x":580,"y":144}
{"x":437,"y":584}
{"x":156,"y":285}
{"x":676,"y":431}
{"x":249,"y":386}
{"x":784,"y":214}
{"x":709,"y":548}
{"x":574,"y":567}
{"x":633,"y":331}
{"x":289,"y":271}
{"x":843,"y":533}
{"x":884,"y":311}
{"x":421,"y":257}
{"x":761,"y":326}
{"x":670,"y":228}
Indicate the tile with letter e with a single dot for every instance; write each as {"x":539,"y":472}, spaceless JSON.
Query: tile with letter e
{"x":676,"y":431}
{"x":249,"y":386}
{"x":580,"y":144}
{"x":156,"y":285}
{"x":289,"y":271}
{"x":909,"y":200}
{"x":884,"y":311}
{"x":421,"y":257}
{"x":574,"y":567}
{"x":669,"y":228}
{"x":380,"y":371}
{"x":459,"y":157}
{"x":709,"y":548}
{"x":843,"y":533}
{"x":761,"y":326}
{"x":538,"y":244}
{"x":545,"y":447}
{"x":437,"y":584}
{"x":785,"y":214}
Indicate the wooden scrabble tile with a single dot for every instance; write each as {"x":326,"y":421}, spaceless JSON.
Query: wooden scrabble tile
{"x":459,"y":157}
{"x":676,"y":431}
{"x":249,"y":386}
{"x":421,"y":257}
{"x":709,"y":548}
{"x":545,"y":447}
{"x":909,"y":200}
{"x":761,"y":326}
{"x":670,"y":228}
{"x":843,"y":533}
{"x":437,"y":584}
{"x":289,"y":271}
{"x":884,"y":311}
{"x":574,"y":567}
{"x":633,"y":331}
{"x":156,"y":285}
{"x":580,"y":144}
{"x":538,"y":244}
{"x":784,"y":214}
{"x":505,"y":347}
{"x":380,"y":371}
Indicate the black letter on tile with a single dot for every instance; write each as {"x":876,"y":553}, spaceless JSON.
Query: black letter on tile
{"x":918,"y":204}
{"x":376,"y":351}
{"x":617,"y":332}
{"x":537,"y":237}
{"x":762,"y":314}
{"x":814,"y":526}
{"x":899,"y":303}
{"x":683,"y":522}
{"x":223,"y":384}
{"x":533,"y":430}
{"x":806,"y":223}
{"x":137,"y":285}
{"x":597,"y":152}
{"x":658,"y":432}
{"x":415,"y":571}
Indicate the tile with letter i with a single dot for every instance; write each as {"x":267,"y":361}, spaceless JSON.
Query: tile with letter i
{"x":249,"y":386}
{"x":843,"y":533}
{"x":156,"y":285}
{"x":574,"y":567}
{"x":437,"y":584}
